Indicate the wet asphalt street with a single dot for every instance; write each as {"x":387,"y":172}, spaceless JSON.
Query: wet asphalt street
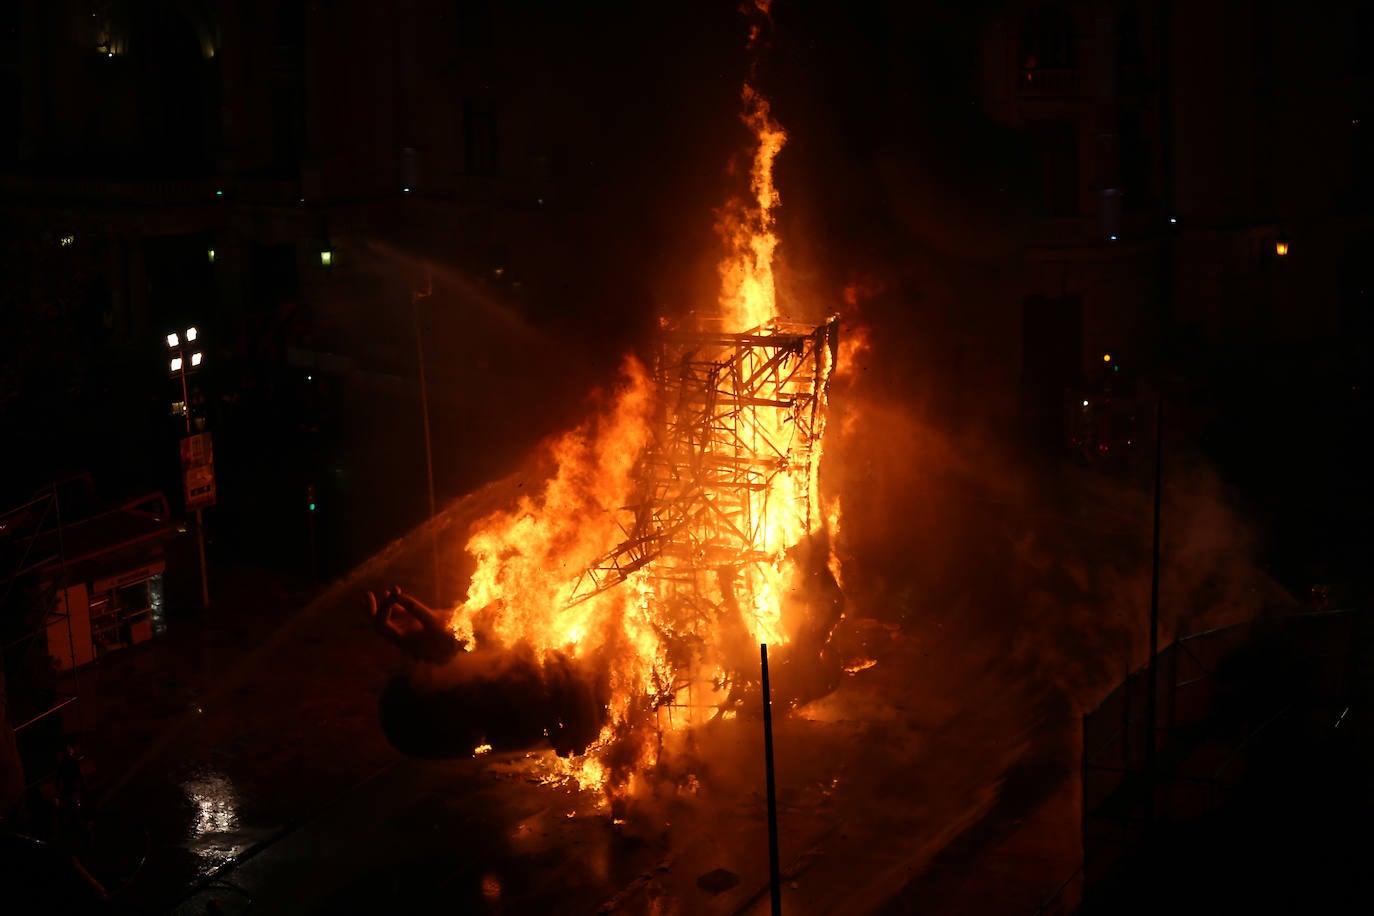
{"x":243,"y":751}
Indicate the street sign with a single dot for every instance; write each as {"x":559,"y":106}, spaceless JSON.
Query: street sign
{"x":200,"y":486}
{"x":197,"y":450}
{"x":198,"y":471}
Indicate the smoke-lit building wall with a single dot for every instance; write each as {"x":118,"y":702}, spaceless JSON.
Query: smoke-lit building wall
{"x":1170,"y":166}
{"x":193,"y":162}
{"x":145,"y":136}
{"x":268,"y":121}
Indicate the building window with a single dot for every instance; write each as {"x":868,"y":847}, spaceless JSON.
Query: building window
{"x":1046,"y":46}
{"x":1051,"y":364}
{"x":1362,"y":162}
{"x":1356,"y":290}
{"x":474,"y":24}
{"x":1132,"y":73}
{"x":1057,"y":145}
{"x":479,"y":138}
{"x":1136,"y":155}
{"x":1362,"y":41}
{"x":122,"y":616}
{"x":288,"y":127}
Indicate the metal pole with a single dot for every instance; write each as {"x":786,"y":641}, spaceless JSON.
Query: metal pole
{"x":415,"y":298}
{"x":774,"y":878}
{"x":200,"y":522}
{"x":63,"y":582}
{"x":314,"y":564}
{"x":1151,"y":698}
{"x":204,"y":575}
{"x":1164,"y":348}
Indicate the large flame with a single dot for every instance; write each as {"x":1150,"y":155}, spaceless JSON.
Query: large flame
{"x":748,"y":296}
{"x":704,"y":470}
{"x":526,"y":556}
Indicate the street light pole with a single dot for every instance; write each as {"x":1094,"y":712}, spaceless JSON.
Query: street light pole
{"x":179,"y":367}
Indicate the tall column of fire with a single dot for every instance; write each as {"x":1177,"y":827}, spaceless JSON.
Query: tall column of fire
{"x":692,"y":509}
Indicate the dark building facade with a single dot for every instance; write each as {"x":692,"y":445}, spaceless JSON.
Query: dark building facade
{"x":293,"y":176}
{"x":332,"y":193}
{"x":1201,"y":180}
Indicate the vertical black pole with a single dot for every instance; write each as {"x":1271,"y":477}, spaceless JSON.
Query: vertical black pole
{"x":1168,"y":230}
{"x":415,"y":298}
{"x":62,"y":584}
{"x":200,"y":520}
{"x":310,"y":519}
{"x":1151,"y":698}
{"x":775,"y":880}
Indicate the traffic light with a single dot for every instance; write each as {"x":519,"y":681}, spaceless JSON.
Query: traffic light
{"x":310,"y":497}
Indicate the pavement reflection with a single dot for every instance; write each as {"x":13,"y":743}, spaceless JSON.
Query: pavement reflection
{"x":215,"y":833}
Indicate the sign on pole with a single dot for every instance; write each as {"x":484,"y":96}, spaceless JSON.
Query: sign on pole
{"x":197,"y":450}
{"x":198,"y":470}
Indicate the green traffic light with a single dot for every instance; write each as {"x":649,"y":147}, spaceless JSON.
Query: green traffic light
{"x":312,"y":507}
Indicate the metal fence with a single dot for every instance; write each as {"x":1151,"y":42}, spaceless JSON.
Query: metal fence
{"x":1220,"y":694}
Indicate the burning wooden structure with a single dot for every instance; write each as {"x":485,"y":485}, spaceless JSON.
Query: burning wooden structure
{"x":723,"y":545}
{"x":680,"y":528}
{"x":726,"y":499}
{"x":736,"y":413}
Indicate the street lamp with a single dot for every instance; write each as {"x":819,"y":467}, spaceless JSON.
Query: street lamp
{"x":178,"y":365}
{"x":179,"y":368}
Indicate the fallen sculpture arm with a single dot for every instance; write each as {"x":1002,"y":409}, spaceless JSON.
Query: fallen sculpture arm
{"x":412,"y":627}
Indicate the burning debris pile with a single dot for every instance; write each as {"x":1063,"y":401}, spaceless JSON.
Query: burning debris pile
{"x":682,"y":527}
